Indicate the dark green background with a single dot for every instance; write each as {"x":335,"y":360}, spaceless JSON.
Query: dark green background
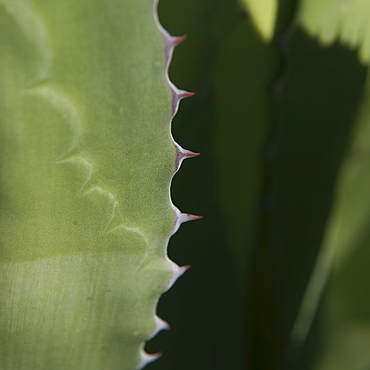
{"x":273,"y":122}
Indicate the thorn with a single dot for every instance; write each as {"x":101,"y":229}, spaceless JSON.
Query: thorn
{"x":185,"y":217}
{"x":177,"y":40}
{"x":182,"y":94}
{"x":178,"y":271}
{"x":159,"y":326}
{"x":147,"y":358}
{"x":188,"y":154}
{"x":180,"y":218}
{"x":177,"y":96}
{"x":181,"y":271}
{"x":182,"y":154}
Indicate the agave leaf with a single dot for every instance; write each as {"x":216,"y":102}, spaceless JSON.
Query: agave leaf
{"x":345,"y":234}
{"x":343,"y":264}
{"x":264,"y":13}
{"x":244,"y":120}
{"x":346,"y":20}
{"x":345,"y":257}
{"x":86,"y":163}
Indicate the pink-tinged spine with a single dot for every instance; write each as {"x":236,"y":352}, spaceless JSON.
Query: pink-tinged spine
{"x":170,"y":43}
{"x":182,"y":154}
{"x":180,"y":218}
{"x":177,"y":95}
{"x":178,"y":271}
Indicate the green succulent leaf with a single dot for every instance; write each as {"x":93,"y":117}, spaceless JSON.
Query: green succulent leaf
{"x":87,"y":159}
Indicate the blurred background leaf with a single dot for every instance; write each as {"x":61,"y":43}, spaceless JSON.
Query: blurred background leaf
{"x":346,"y":315}
{"x":278,"y":107}
{"x":263,"y":13}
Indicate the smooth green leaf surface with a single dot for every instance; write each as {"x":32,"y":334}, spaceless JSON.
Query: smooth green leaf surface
{"x":86,"y":164}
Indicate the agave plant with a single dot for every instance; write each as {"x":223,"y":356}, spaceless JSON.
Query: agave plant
{"x":87,"y":159}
